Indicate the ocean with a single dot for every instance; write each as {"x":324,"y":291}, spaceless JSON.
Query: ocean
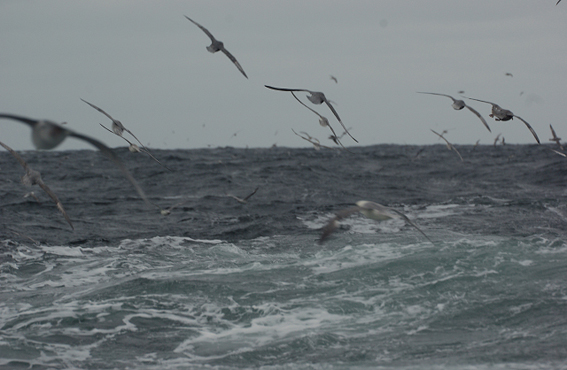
{"x":221,"y":284}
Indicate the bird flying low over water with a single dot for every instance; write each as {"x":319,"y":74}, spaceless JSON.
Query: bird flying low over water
{"x":501,"y":114}
{"x":458,"y":105}
{"x":33,"y":177}
{"x":449,"y":145}
{"x":369,"y":209}
{"x":217,"y":45}
{"x":48,"y":135}
{"x":316,"y":97}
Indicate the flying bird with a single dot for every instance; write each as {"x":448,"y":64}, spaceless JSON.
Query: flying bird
{"x":117,"y":126}
{"x":555,"y":138}
{"x":245,"y":199}
{"x":334,"y":79}
{"x":217,"y":45}
{"x":316,"y":97}
{"x":501,"y":114}
{"x":33,"y":177}
{"x":323,"y":121}
{"x":136,"y":149}
{"x":369,"y":209}
{"x":48,"y":135}
{"x":458,"y":105}
{"x":449,"y":145}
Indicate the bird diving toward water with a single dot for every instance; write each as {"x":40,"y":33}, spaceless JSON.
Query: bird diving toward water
{"x":501,"y":114}
{"x":33,"y":177}
{"x":217,"y":45}
{"x":458,"y":105}
{"x":369,"y":209}
{"x":48,"y":135}
{"x":316,"y":97}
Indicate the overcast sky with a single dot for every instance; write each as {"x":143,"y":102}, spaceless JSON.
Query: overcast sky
{"x":146,"y":65}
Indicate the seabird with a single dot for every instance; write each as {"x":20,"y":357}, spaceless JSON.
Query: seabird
{"x":323,"y":121}
{"x":369,"y":209}
{"x":245,"y":199}
{"x":316,"y":97}
{"x":33,"y":177}
{"x":316,"y":143}
{"x":460,"y":104}
{"x":555,"y":138}
{"x":48,"y":135}
{"x":449,"y":145}
{"x":117,"y":126}
{"x":217,"y":45}
{"x":136,"y":149}
{"x":501,"y":114}
{"x":334,"y":79}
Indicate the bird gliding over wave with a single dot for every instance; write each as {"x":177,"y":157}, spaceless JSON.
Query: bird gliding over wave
{"x":458,"y":105}
{"x":501,"y":114}
{"x":217,"y":45}
{"x":48,"y":135}
{"x":316,"y":97}
{"x":369,"y":209}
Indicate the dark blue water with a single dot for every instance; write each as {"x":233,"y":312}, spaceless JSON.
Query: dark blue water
{"x":221,"y":284}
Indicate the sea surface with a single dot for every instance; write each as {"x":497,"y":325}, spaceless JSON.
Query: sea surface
{"x":220,"y":284}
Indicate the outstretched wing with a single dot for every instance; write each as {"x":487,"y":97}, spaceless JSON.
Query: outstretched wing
{"x":339,"y":119}
{"x":406,"y":219}
{"x":98,"y":109}
{"x":110,"y":154}
{"x":479,"y":116}
{"x":233,"y":60}
{"x":206,"y":31}
{"x":482,"y":101}
{"x":286,"y":89}
{"x":430,"y":93}
{"x":530,"y":128}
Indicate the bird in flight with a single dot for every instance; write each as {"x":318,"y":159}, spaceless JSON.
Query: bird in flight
{"x":449,"y":145}
{"x":555,"y":138}
{"x":501,"y":114}
{"x":217,"y":45}
{"x":48,"y":135}
{"x":33,"y":177}
{"x":316,"y":97}
{"x":369,"y":209}
{"x":458,"y":105}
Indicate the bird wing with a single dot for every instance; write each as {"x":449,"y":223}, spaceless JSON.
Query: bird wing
{"x":449,"y":145}
{"x":110,"y":154}
{"x":334,"y":222}
{"x":286,"y":89}
{"x":338,"y":118}
{"x":479,"y":116}
{"x":530,"y":128}
{"x":100,"y":110}
{"x":249,"y":195}
{"x":411,"y":223}
{"x":430,"y":93}
{"x":27,"y":121}
{"x":553,"y":133}
{"x":52,"y":195}
{"x":206,"y":31}
{"x":233,"y":60}
{"x":482,"y":101}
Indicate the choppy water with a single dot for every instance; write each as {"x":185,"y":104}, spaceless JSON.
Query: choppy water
{"x":227,"y":285}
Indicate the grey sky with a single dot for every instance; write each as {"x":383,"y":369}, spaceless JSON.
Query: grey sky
{"x":147,"y":66}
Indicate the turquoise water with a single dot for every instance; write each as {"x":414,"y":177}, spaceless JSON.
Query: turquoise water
{"x":489,"y":293}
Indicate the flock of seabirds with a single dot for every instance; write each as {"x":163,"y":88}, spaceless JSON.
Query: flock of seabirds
{"x":48,"y":135}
